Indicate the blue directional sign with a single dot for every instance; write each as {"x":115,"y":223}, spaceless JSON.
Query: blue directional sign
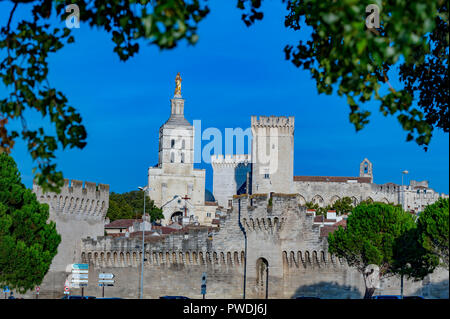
{"x":80,"y":266}
{"x":6,"y":289}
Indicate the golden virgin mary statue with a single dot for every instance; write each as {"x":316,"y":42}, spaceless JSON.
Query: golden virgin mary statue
{"x":178,"y":84}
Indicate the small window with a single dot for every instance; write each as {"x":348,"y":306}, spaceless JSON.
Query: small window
{"x":208,"y":214}
{"x":230,"y":203}
{"x":266,"y":176}
{"x":182,"y":144}
{"x":182,"y":157}
{"x":172,"y":143}
{"x":172,"y":157}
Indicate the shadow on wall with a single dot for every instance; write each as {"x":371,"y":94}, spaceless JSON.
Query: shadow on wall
{"x":328,"y":290}
{"x":436,"y":290}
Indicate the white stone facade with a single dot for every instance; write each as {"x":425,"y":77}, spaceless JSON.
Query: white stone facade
{"x":272,"y":170}
{"x":225,"y":171}
{"x":175,"y":177}
{"x":272,"y":154}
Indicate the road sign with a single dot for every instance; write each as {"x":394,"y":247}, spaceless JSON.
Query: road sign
{"x":110,"y":281}
{"x":74,"y":280}
{"x":80,"y":266}
{"x":6,"y":289}
{"x":80,"y":271}
{"x":66,"y":289}
{"x":80,"y":275}
{"x":105,"y":276}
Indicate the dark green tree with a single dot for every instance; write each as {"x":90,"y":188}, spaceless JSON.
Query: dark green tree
{"x":433,"y":231}
{"x":319,"y":210}
{"x":345,"y":55}
{"x":411,"y":259}
{"x":28,"y":242}
{"x":343,"y":205}
{"x":370,"y":238}
{"x":131,"y":205}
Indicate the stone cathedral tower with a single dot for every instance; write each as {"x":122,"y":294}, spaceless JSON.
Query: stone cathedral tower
{"x":174,"y":177}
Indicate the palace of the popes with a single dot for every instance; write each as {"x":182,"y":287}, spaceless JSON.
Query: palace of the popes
{"x":254,"y":226}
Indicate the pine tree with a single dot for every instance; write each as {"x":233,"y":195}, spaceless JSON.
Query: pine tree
{"x":28,"y":241}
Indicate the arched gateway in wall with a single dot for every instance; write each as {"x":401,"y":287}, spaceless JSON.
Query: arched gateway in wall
{"x":262,"y":278}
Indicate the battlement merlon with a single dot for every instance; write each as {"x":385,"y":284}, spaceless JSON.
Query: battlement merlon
{"x":273,"y":121}
{"x":275,"y":201}
{"x":229,"y":160}
{"x":75,"y":188}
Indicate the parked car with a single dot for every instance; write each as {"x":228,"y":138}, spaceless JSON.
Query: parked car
{"x":173,"y":297}
{"x":78,"y":297}
{"x":396,"y":297}
{"x":387,"y":297}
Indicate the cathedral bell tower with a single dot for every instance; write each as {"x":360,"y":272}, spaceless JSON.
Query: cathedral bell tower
{"x":176,"y":136}
{"x":174,"y":179}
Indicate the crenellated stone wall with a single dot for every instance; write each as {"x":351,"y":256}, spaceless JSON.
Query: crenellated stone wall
{"x":283,"y":243}
{"x":78,"y":211}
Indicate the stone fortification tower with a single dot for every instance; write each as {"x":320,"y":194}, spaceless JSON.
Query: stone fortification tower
{"x":272,"y":154}
{"x":232,"y":174}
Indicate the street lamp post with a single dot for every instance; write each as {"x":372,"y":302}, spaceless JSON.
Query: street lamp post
{"x":403,"y":206}
{"x":403,"y":191}
{"x":245,"y":246}
{"x":144,"y":189}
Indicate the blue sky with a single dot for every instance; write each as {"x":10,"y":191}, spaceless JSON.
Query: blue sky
{"x":232,"y":73}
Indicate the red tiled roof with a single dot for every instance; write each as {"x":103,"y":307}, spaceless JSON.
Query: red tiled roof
{"x":211,"y":204}
{"x":138,"y":234}
{"x":342,"y":223}
{"x":326,"y":230}
{"x":165,"y":230}
{"x":322,"y":219}
{"x":318,"y":219}
{"x":122,"y":223}
{"x":332,"y":179}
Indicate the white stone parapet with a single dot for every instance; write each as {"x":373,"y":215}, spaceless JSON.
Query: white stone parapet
{"x":229,"y":160}
{"x":273,"y":121}
{"x":92,"y":200}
